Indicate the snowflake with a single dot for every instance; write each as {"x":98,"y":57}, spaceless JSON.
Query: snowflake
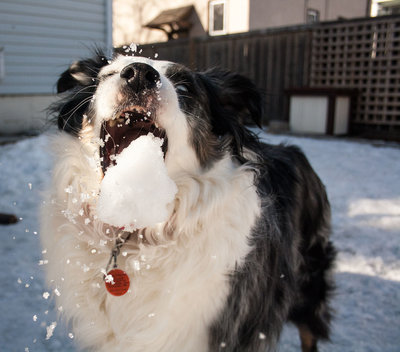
{"x":50,"y":330}
{"x":109,"y":279}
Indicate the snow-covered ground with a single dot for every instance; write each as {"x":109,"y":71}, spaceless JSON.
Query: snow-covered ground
{"x":363,"y":183}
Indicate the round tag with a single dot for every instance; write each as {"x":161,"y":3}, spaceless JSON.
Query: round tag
{"x":117,"y":282}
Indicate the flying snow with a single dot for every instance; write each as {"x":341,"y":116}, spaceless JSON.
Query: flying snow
{"x":50,"y":330}
{"x":137,"y":191}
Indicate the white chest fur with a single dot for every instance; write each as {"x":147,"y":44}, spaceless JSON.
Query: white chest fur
{"x":179,"y":282}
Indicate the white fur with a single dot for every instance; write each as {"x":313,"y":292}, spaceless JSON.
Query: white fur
{"x":178,"y":271}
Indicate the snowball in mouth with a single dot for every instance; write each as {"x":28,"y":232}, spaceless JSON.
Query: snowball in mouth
{"x":137,"y":192}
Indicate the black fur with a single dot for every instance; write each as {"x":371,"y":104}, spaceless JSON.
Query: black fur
{"x":216,"y":103}
{"x":286,"y":276}
{"x":79,"y":84}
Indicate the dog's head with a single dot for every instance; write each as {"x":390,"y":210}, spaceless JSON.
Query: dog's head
{"x":199,"y":114}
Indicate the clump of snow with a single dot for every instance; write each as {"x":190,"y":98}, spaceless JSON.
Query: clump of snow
{"x":136,"y":192}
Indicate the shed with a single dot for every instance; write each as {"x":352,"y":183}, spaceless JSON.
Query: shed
{"x":38,"y":40}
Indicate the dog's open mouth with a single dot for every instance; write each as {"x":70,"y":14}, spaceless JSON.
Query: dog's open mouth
{"x":117,"y":134}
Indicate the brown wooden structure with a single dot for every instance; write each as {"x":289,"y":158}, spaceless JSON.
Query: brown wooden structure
{"x":361,"y":54}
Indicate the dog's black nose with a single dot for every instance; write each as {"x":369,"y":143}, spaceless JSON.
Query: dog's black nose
{"x":140,"y":76}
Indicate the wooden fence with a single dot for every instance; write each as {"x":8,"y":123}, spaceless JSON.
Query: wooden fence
{"x":362,"y":54}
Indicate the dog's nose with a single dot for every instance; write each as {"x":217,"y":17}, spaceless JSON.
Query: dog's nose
{"x":140,"y":76}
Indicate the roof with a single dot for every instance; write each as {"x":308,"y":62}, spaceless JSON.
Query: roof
{"x":178,"y":16}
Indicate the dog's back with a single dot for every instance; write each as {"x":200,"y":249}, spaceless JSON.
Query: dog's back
{"x":287,"y":275}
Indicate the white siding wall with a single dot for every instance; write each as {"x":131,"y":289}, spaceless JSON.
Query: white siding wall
{"x":42,"y":37}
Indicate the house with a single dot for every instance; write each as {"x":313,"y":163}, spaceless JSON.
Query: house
{"x":38,"y":40}
{"x":134,"y":19}
{"x":385,"y":7}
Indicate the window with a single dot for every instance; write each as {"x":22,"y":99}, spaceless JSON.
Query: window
{"x":312,"y":16}
{"x":217,"y":17}
{"x":389,"y":8}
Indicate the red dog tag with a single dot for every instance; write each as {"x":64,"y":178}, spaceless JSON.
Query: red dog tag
{"x":117,"y":282}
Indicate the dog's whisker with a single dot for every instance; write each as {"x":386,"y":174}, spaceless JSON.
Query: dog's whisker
{"x":71,"y":112}
{"x":83,"y":90}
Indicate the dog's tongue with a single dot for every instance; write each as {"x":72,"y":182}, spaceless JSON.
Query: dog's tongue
{"x":137,"y":192}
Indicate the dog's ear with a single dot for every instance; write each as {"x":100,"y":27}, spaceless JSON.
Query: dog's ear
{"x":80,"y":81}
{"x":239,"y":95}
{"x":76,"y":75}
{"x":81,"y":73}
{"x":233,"y":101}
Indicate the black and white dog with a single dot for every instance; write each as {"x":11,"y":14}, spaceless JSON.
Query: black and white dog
{"x":246,"y":247}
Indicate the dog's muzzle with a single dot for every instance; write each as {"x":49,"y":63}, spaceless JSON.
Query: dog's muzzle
{"x":136,"y":116}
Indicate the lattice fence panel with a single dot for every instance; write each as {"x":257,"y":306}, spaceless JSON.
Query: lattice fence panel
{"x":363,"y":55}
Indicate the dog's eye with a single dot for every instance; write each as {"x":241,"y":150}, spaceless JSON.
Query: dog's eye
{"x":181,"y":88}
{"x":104,"y":76}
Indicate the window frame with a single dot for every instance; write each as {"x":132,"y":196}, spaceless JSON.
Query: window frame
{"x":314,"y":13}
{"x":211,"y":5}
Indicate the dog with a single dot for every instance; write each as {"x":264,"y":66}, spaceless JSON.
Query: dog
{"x":246,"y":246}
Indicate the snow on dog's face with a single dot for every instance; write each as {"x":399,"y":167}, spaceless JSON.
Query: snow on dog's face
{"x":199,"y":115}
